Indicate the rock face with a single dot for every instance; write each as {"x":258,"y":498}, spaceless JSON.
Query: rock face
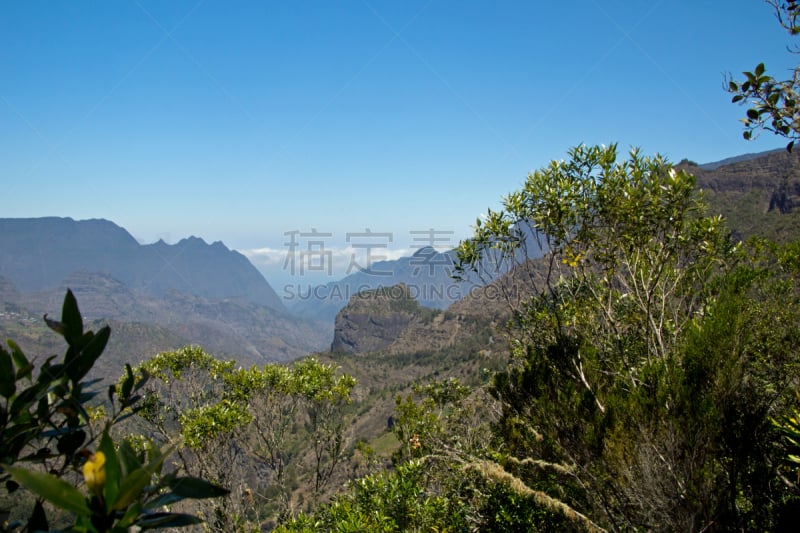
{"x":373,"y":320}
{"x":391,"y":321}
{"x":758,"y":194}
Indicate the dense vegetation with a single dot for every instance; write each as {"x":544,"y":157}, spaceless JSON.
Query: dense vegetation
{"x":49,"y":435}
{"x":652,"y":383}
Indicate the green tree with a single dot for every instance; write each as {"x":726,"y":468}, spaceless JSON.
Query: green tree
{"x":229,"y":423}
{"x":325,"y":395}
{"x":773,"y":103}
{"x":648,"y":352}
{"x":446,"y":476}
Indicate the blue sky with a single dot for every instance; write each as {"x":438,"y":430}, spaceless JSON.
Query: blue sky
{"x":242,"y":121}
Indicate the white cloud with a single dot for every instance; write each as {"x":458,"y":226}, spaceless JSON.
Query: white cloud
{"x":264,"y":255}
{"x":326,"y":263}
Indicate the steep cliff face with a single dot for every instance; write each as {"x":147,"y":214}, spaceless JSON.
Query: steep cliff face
{"x":373,"y":320}
{"x":391,"y":321}
{"x":761,"y":172}
{"x":758,"y":196}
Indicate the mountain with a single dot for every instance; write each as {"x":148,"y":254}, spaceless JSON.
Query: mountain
{"x":428,"y":276}
{"x":390,"y":320}
{"x":390,"y":342}
{"x":158,"y":297}
{"x":38,"y":253}
{"x":738,"y":159}
{"x":758,"y":194}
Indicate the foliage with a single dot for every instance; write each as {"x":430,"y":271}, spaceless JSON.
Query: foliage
{"x":651,"y":353}
{"x":228,"y":423}
{"x":789,"y":426}
{"x":441,"y":415}
{"x":443,"y":478}
{"x":397,"y":501}
{"x":45,"y":431}
{"x":773,"y":102}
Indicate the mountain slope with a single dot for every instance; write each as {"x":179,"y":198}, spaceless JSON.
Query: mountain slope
{"x":190,"y":292}
{"x":38,"y":253}
{"x":759,"y":196}
{"x":427,"y":275}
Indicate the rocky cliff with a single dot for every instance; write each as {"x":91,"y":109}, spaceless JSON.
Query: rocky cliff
{"x":391,"y":321}
{"x":373,"y":320}
{"x":758,"y":196}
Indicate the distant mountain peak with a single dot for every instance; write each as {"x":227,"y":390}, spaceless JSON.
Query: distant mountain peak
{"x":425,"y":251}
{"x":192,"y":240}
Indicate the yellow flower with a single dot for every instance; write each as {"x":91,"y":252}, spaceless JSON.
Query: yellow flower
{"x":94,"y":472}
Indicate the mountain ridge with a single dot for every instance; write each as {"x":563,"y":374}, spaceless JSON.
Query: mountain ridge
{"x":191,"y":291}
{"x":40,"y":252}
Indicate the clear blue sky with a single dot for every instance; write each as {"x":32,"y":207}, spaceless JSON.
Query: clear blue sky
{"x":241,"y":121}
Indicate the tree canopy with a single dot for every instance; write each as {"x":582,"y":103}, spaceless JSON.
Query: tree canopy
{"x":773,"y":102}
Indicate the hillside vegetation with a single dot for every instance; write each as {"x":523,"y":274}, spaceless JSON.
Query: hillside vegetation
{"x":641,"y":375}
{"x":651,"y":381}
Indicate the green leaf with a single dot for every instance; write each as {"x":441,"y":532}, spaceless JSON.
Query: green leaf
{"x":7,"y":382}
{"x":51,"y":372}
{"x":91,"y":352}
{"x":127,"y":458}
{"x":71,"y":320}
{"x":55,"y":325}
{"x":129,"y":517}
{"x":24,"y":367}
{"x":54,"y":490}
{"x":127,"y":384}
{"x":192,"y":487}
{"x":112,"y":467}
{"x":27,"y":398}
{"x":164,"y":499}
{"x":165,"y":520}
{"x":130,"y":489}
{"x":71,"y":363}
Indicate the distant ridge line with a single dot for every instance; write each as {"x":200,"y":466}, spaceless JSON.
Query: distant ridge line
{"x":738,"y":159}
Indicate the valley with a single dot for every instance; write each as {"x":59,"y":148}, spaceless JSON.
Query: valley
{"x":433,"y":374}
